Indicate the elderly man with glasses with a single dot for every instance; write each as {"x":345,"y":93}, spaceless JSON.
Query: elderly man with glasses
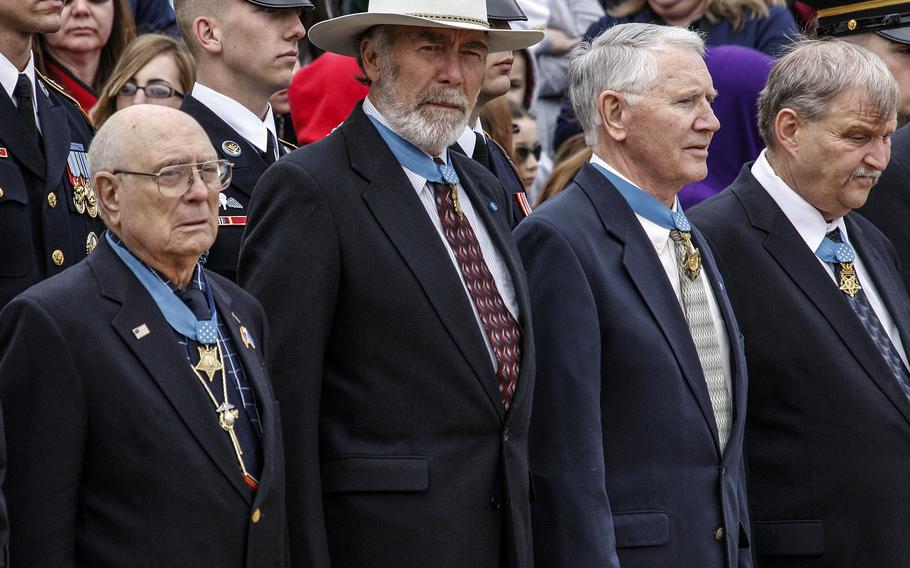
{"x":141,"y":423}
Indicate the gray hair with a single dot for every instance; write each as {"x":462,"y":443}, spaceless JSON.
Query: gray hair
{"x":622,"y":59}
{"x":105,"y":154}
{"x":814,"y":72}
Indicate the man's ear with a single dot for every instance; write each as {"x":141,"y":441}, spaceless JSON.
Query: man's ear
{"x":108,"y":190}
{"x":613,"y":111}
{"x":787,"y":129}
{"x":207,"y":33}
{"x":370,"y":58}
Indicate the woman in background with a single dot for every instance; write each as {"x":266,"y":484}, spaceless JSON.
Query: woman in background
{"x":155,"y":69}
{"x":81,"y":56}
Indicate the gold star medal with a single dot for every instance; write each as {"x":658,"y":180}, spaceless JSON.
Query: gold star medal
{"x":209,"y":361}
{"x":848,"y":283}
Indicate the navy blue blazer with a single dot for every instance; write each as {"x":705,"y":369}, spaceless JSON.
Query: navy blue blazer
{"x":624,"y":452}
{"x":116,"y":455}
{"x":828,"y":426}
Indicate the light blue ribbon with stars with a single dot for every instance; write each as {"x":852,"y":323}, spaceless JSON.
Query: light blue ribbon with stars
{"x":414,"y":159}
{"x":647,"y":205}
{"x":177,"y":314}
{"x":830,"y":251}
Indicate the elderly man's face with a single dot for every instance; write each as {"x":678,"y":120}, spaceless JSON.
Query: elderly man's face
{"x":428,"y":85}
{"x":164,"y":230}
{"x":838,"y":158}
{"x":671,"y":126}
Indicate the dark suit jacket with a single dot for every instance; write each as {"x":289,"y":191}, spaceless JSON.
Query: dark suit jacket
{"x":623,"y":440}
{"x":828,"y":426}
{"x":500,"y":165}
{"x":32,"y":223}
{"x":396,"y":436}
{"x":888,"y":206}
{"x":248,"y":168}
{"x":116,"y":455}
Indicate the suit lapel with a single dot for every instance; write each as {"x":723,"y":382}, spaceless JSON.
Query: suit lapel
{"x":800,"y":264}
{"x":396,"y":207}
{"x":234,"y":318}
{"x":642,"y":264}
{"x":162,"y":358}
{"x":17,"y":140}
{"x":497,"y":227}
{"x":55,"y":133}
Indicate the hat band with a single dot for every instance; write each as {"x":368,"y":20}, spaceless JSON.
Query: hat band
{"x":849,"y":8}
{"x":450,"y":18}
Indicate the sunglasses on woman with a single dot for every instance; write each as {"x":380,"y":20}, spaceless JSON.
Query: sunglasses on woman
{"x":525,"y":152}
{"x":157,"y":90}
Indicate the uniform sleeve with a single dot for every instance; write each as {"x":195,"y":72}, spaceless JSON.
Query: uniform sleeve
{"x":571,"y":515}
{"x":46,"y":428}
{"x":289,"y":260}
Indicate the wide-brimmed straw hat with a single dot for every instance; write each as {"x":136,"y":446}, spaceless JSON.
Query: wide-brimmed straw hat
{"x":342,"y":34}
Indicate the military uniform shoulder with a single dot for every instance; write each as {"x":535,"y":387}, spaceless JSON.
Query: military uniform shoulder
{"x":286,"y":144}
{"x":50,"y":84}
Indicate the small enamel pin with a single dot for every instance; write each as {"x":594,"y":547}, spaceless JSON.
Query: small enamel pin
{"x":4,"y":153}
{"x":493,"y":207}
{"x":231,"y":148}
{"x":141,"y":331}
{"x":246,"y":338}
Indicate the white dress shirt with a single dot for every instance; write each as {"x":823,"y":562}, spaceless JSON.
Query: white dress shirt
{"x":250,"y":127}
{"x":468,"y":138}
{"x":491,"y":256}
{"x":812,"y":227}
{"x":9,"y":76}
{"x":666,"y":251}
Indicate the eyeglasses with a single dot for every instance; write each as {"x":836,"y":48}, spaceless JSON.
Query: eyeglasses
{"x":157,"y":90}
{"x":525,"y":152}
{"x":174,"y":181}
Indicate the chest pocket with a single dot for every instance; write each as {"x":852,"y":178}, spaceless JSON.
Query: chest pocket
{"x":15,"y":222}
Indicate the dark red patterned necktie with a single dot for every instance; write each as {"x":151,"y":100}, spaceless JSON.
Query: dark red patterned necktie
{"x":502,"y":329}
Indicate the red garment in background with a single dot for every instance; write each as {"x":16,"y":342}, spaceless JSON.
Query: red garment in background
{"x":73,"y":86}
{"x":323,"y":94}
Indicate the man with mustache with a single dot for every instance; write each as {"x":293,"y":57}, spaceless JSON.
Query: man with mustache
{"x":245,"y":51}
{"x":826,"y":319}
{"x":402,"y":351}
{"x":639,"y":406}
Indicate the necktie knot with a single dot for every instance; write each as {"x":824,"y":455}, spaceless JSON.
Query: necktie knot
{"x":23,"y":88}
{"x":195,"y":300}
{"x":834,"y":249}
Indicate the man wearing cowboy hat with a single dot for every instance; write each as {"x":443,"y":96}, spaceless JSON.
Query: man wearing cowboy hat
{"x":402,"y":347}
{"x":245,"y":52}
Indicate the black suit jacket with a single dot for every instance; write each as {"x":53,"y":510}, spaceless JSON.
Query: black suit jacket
{"x":396,"y":434}
{"x":117,"y":458}
{"x":627,"y":467}
{"x":828,"y":426}
{"x":38,"y":215}
{"x":248,"y":168}
{"x":888,"y":206}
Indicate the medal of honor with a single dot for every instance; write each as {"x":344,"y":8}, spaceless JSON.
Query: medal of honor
{"x":691,"y":260}
{"x":209,"y":361}
{"x":848,"y":283}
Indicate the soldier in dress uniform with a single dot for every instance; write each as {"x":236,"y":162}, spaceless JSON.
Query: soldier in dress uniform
{"x":48,"y":209}
{"x":245,"y":51}
{"x":474,"y":141}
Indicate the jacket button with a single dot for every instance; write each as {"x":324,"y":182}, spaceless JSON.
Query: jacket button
{"x":719,"y":533}
{"x":57,"y":257}
{"x":257,"y":515}
{"x":2,"y":193}
{"x":495,"y":504}
{"x":506,"y":434}
{"x":52,"y":200}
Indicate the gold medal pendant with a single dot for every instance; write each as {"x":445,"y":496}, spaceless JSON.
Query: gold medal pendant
{"x":848,"y":282}
{"x":79,"y":198}
{"x":91,"y":201}
{"x":691,"y":261}
{"x":455,"y":200}
{"x":209,"y":361}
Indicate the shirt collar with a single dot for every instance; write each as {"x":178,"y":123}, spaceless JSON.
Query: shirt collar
{"x":658,"y":235}
{"x":249,"y":126}
{"x":9,"y":76}
{"x":806,"y":219}
{"x":370,"y":110}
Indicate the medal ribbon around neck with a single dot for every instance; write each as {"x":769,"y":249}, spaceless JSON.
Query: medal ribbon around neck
{"x":177,"y":314}
{"x":647,"y":205}
{"x":842,"y":253}
{"x":415,"y":159}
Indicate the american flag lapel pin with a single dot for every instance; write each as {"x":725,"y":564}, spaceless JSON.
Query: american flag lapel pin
{"x":141,"y":331}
